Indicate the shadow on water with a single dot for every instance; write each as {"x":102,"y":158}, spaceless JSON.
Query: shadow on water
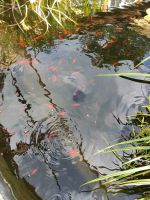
{"x":58,"y":112}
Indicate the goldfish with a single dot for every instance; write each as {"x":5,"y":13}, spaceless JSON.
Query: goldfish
{"x":74,"y":61}
{"x":11,"y":133}
{"x":59,"y":34}
{"x":76,"y":105}
{"x":39,"y":37}
{"x":115,"y":63}
{"x":35,"y":61}
{"x":34,"y":171}
{"x":22,"y":42}
{"x":54,"y":78}
{"x":105,"y":46}
{"x":27,"y":62}
{"x":26,"y":132}
{"x":118,"y":28}
{"x":90,"y":19}
{"x":23,"y":62}
{"x":72,"y":153}
{"x":66,"y":32}
{"x":77,"y":29}
{"x":50,"y":135}
{"x":51,"y":106}
{"x":62,"y":114}
{"x":111,"y":41}
{"x":53,"y":68}
{"x":98,"y":33}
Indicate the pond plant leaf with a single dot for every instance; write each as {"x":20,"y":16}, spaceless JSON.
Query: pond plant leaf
{"x":123,"y":174}
{"x":124,"y":142}
{"x":125,"y":74}
{"x":136,"y":182}
{"x":135,"y":159}
{"x":131,"y":148}
{"x":141,"y":62}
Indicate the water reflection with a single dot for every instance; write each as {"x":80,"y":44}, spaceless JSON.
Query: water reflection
{"x":48,"y":149}
{"x":59,"y":112}
{"x":111,"y":40}
{"x":119,"y":4}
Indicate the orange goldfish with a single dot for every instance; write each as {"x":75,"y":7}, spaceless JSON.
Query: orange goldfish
{"x":22,"y":42}
{"x":72,"y":153}
{"x":34,"y":171}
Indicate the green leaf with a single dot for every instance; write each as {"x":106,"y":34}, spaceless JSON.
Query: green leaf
{"x":141,"y":62}
{"x":137,"y":182}
{"x":125,"y":74}
{"x":125,"y":142}
{"x":128,"y":149}
{"x":135,"y":159}
{"x":121,"y":173}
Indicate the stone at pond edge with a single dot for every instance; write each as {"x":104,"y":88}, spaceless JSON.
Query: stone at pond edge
{"x":8,"y":169}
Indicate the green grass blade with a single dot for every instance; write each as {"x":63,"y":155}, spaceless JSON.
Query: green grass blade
{"x":117,"y":178}
{"x":18,"y":6}
{"x":125,"y":172}
{"x":141,"y":62}
{"x":137,"y":182}
{"x":125,"y":74}
{"x":135,"y":159}
{"x":128,"y":149}
{"x":125,"y":142}
{"x":125,"y":175}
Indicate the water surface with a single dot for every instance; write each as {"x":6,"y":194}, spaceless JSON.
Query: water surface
{"x":59,"y":112}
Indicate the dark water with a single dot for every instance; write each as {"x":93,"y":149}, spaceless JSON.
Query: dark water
{"x":60,"y":113}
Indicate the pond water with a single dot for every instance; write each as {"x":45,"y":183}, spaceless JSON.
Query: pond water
{"x":59,"y":112}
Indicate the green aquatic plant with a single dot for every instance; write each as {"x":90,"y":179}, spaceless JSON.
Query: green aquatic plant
{"x":134,"y":172}
{"x":134,"y":154}
{"x":126,"y":74}
{"x":34,"y":13}
{"x":136,"y":66}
